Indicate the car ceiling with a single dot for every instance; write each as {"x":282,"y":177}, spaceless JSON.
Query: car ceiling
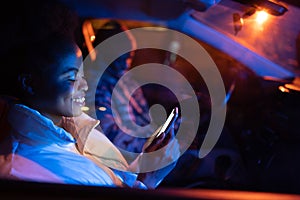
{"x":180,"y":16}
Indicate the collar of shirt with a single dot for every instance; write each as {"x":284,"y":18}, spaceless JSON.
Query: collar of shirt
{"x":80,"y":127}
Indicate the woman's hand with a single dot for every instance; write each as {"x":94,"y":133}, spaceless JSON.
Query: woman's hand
{"x":168,"y":155}
{"x":154,"y":143}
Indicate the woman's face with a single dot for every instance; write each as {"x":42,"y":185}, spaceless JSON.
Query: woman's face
{"x":61,"y":92}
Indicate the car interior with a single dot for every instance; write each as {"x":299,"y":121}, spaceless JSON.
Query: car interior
{"x":255,"y":46}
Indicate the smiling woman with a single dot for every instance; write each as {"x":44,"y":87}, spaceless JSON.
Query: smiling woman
{"x":45,"y":72}
{"x":49,"y":138}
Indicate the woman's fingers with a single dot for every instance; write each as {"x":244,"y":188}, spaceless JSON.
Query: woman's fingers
{"x":156,"y":143}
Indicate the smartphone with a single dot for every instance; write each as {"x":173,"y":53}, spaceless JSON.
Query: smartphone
{"x":170,"y":120}
{"x":164,"y":128}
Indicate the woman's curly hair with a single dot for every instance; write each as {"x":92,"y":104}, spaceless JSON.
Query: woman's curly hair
{"x":33,"y":38}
